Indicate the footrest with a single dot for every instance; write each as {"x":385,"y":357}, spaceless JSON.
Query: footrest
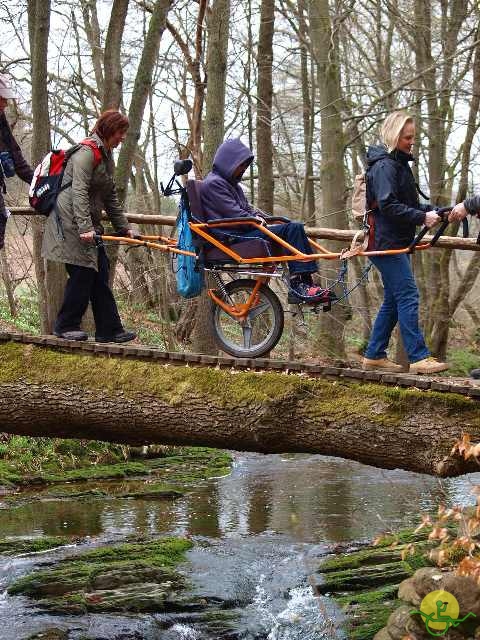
{"x":326,"y":298}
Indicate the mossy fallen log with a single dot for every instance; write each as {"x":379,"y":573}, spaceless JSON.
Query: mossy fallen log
{"x":48,"y":393}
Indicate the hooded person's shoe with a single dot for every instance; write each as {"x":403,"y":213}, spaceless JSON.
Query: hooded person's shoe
{"x":71,"y":335}
{"x":309,"y":293}
{"x":381,"y":364}
{"x":428,"y":365}
{"x":120,"y":336}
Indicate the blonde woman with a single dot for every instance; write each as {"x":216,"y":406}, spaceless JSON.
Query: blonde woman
{"x":392,"y":195}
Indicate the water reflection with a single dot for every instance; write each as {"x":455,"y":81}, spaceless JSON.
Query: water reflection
{"x":307,"y":498}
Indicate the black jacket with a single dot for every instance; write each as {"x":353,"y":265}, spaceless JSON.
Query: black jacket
{"x":392,"y":195}
{"x":8,"y":143}
{"x":472,"y":205}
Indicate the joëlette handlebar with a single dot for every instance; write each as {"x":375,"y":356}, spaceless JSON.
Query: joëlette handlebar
{"x":424,"y":230}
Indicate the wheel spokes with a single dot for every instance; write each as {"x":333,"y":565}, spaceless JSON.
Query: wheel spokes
{"x":259,"y":309}
{"x":247,"y":336}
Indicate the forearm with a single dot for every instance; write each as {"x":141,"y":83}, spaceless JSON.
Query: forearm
{"x":402,"y":212}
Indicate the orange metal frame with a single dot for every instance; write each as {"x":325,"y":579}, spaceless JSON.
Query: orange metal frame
{"x":324,"y":254}
{"x":240,"y":311}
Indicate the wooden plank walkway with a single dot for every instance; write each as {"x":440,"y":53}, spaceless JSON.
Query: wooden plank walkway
{"x":443,"y":384}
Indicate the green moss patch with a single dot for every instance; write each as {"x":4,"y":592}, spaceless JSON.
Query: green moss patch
{"x":138,"y":576}
{"x":179,"y":466}
{"x":365,"y":582}
{"x":175,"y":385}
{"x":9,"y":547}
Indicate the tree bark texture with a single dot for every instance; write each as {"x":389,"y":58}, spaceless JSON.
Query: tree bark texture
{"x":438,"y":91}
{"x":264,"y":106}
{"x":308,"y":102}
{"x":39,"y":29}
{"x":112,"y":88}
{"x":92,"y":31}
{"x":52,"y":394}
{"x":330,"y":339}
{"x":218,"y":28}
{"x":140,"y":92}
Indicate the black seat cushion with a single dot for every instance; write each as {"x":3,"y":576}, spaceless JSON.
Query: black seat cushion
{"x":195,"y":200}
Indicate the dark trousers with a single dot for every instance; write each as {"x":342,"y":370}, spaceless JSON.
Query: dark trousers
{"x":294,"y":234}
{"x":86,"y":285}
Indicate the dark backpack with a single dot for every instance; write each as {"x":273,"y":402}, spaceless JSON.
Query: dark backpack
{"x":47,"y":179}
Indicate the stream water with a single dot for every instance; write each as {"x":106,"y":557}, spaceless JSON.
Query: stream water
{"x":259,"y":533}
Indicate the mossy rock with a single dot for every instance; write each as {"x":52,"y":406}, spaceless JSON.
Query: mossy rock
{"x":31,"y":545}
{"x":151,"y":492}
{"x":50,"y":634}
{"x":365,"y":557}
{"x":188,"y":466}
{"x":368,"y":611}
{"x":107,"y":567}
{"x":365,"y":582}
{"x":364,"y":577}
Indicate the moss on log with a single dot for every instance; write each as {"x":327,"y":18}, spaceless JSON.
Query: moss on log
{"x":48,"y":393}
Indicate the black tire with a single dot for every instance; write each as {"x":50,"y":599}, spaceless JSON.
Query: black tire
{"x":259,"y":333}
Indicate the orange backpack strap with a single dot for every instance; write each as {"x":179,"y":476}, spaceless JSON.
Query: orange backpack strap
{"x":97,"y":152}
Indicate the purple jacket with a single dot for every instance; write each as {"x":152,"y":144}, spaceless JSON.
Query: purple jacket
{"x":221,"y":194}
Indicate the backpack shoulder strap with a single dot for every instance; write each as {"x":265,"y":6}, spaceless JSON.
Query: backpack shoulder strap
{"x":421,"y":192}
{"x":97,"y":152}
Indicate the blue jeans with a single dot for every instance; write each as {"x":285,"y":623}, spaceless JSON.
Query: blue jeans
{"x":400,"y":304}
{"x":291,"y":232}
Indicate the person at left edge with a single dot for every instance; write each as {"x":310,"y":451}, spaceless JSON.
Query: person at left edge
{"x":69,"y":237}
{"x":10,"y":153}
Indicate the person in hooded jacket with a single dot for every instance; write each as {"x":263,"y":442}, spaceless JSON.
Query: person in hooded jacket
{"x":223,"y":197}
{"x":12,"y":161}
{"x":392,"y":196}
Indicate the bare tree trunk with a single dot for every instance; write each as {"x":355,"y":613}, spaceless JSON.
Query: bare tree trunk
{"x":92,"y":29}
{"x":52,"y":278}
{"x":141,"y":88}
{"x":264,"y":106}
{"x":112,"y":89}
{"x":249,"y":95}
{"x":439,"y":123}
{"x":194,"y":67}
{"x":218,"y":29}
{"x":308,"y":97}
{"x":330,"y":338}
{"x":7,"y":283}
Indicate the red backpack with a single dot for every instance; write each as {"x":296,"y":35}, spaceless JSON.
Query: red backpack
{"x":47,"y":179}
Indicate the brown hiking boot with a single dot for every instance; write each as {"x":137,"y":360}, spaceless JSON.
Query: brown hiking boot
{"x":381,"y":364}
{"x":428,"y":365}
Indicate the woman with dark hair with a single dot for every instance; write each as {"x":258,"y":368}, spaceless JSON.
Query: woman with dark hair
{"x":392,"y":196}
{"x":71,"y":228}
